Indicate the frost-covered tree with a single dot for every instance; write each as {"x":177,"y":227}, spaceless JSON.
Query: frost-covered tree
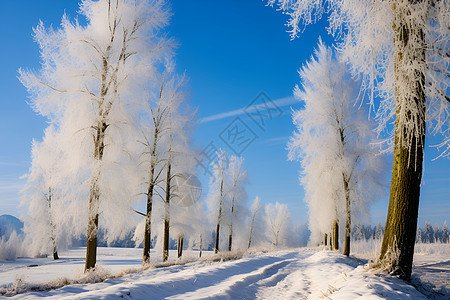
{"x":379,"y":231}
{"x":277,"y":222}
{"x":162,"y":113}
{"x":255,"y":220}
{"x":428,"y":233}
{"x":445,"y":233}
{"x":195,"y":226}
{"x":237,"y":175}
{"x":341,"y":172}
{"x":183,"y":214}
{"x":401,"y":49}
{"x":358,"y":232}
{"x":90,"y":87}
{"x":419,"y":238}
{"x":41,"y":197}
{"x":437,"y":234}
{"x":163,"y":127}
{"x":218,"y":193}
{"x":302,"y":235}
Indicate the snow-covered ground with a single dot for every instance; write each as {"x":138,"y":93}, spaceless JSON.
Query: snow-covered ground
{"x":285,"y":274}
{"x":431,"y":268}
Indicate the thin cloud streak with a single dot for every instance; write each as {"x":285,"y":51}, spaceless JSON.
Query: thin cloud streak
{"x":10,"y":164}
{"x":282,"y":102}
{"x":277,"y":140}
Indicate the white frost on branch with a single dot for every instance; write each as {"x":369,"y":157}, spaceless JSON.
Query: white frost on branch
{"x":278,"y":224}
{"x":365,"y":35}
{"x":93,"y":83}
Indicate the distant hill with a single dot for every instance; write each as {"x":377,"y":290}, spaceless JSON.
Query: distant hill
{"x":8,"y":224}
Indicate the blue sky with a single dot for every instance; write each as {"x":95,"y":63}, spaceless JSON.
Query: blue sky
{"x":232,"y":51}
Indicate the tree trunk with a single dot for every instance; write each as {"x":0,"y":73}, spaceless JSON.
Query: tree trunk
{"x":331,"y":242}
{"x":397,"y":249}
{"x":347,"y":218}
{"x":91,"y":244}
{"x":94,"y":198}
{"x":167,"y":215}
{"x":166,"y":241}
{"x":201,"y":245}
{"x":216,"y":245}
{"x":180,"y":245}
{"x":99,"y":147}
{"x":151,"y":187}
{"x":251,"y":231}
{"x":148,"y":222}
{"x":326,"y":239}
{"x":52,"y":225}
{"x":230,"y":237}
{"x":336,"y":235}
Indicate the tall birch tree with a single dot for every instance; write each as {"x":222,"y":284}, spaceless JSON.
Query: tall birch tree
{"x":218,"y":193}
{"x":237,"y":175}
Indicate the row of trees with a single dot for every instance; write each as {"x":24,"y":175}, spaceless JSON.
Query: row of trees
{"x":430,"y":235}
{"x":400,"y":50}
{"x":425,"y":235}
{"x":118,"y":129}
{"x":226,"y":202}
{"x":363,"y":232}
{"x":119,"y":138}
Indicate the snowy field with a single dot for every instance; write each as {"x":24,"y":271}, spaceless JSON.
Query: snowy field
{"x":303,"y":273}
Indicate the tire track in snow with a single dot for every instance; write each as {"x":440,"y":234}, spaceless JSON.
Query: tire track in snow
{"x":179,"y":281}
{"x":294,"y":284}
{"x":238,"y":286}
{"x":271,"y":281}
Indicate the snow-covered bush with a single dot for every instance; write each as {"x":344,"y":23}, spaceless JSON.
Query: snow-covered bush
{"x":12,"y":247}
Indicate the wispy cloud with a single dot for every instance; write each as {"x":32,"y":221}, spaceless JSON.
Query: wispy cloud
{"x":276,"y":140}
{"x":282,"y":102}
{"x":10,"y":164}
{"x":11,"y":187}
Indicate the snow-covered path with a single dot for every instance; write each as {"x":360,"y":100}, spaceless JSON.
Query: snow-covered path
{"x":286,"y":274}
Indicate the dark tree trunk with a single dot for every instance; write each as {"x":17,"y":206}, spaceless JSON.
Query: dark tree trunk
{"x":399,"y":238}
{"x":201,"y":246}
{"x":230,"y":237}
{"x":151,"y":187}
{"x":347,"y":218}
{"x":52,"y":225}
{"x":180,"y":245}
{"x":401,"y":222}
{"x":166,"y":241}
{"x":91,"y":244}
{"x":336,"y":235}
{"x":148,"y":224}
{"x":251,"y":230}
{"x":216,"y":245}
{"x":326,"y":239}
{"x":167,"y":215}
{"x":331,"y":242}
